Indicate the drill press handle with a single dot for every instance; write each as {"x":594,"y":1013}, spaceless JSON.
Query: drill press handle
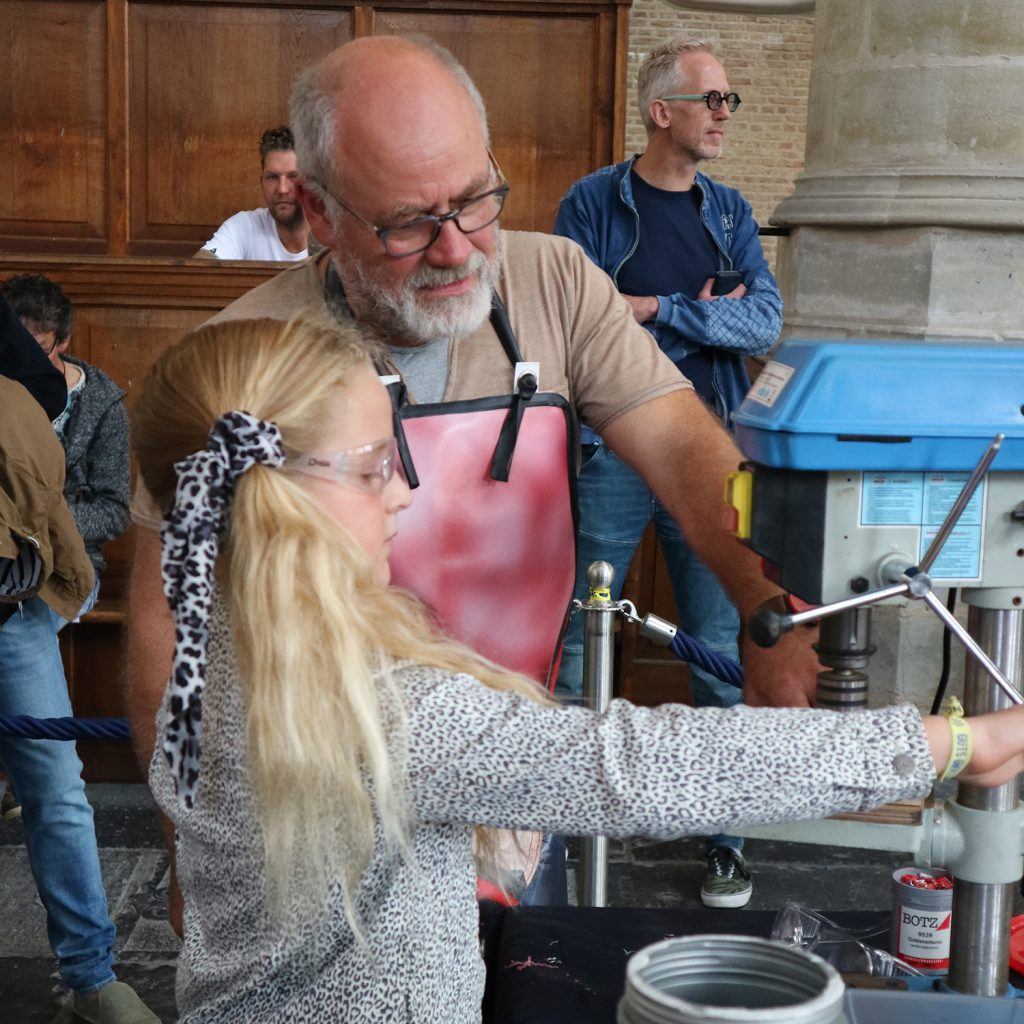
{"x":768,"y":623}
{"x":772,"y":619}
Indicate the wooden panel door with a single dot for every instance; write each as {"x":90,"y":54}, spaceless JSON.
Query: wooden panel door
{"x":205,"y":83}
{"x":130,"y":127}
{"x":549,"y":97}
{"x":53,"y":124}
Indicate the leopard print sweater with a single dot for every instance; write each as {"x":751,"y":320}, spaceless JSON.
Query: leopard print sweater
{"x":475,"y":755}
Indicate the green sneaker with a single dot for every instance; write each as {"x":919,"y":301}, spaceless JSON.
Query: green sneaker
{"x":115,"y":1003}
{"x":9,"y":806}
{"x":727,"y":883}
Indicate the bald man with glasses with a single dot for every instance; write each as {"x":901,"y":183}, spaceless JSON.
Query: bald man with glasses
{"x":399,"y":184}
{"x":683,"y":251}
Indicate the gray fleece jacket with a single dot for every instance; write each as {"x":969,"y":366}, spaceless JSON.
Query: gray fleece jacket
{"x":97,"y":483}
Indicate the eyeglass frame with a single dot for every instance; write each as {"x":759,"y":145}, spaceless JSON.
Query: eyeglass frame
{"x":723,"y":97}
{"x":331,"y":465}
{"x":502,"y":189}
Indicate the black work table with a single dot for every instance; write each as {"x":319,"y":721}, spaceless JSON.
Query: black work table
{"x":554,"y":965}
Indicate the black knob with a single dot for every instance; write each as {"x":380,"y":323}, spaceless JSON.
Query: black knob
{"x":766,"y":626}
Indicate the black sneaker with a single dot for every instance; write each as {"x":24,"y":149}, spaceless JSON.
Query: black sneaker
{"x":727,"y":883}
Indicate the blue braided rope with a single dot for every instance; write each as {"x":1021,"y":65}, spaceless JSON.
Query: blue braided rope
{"x":24,"y":727}
{"x":686,"y":648}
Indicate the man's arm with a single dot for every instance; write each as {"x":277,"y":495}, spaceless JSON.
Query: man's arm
{"x":572,"y":221}
{"x":749,"y":322}
{"x":684,"y":455}
{"x":101,"y":509}
{"x":204,"y":254}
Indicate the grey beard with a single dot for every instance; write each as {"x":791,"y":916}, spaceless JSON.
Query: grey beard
{"x":398,"y":317}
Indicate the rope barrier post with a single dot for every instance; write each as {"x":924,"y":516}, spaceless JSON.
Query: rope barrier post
{"x":598,"y":611}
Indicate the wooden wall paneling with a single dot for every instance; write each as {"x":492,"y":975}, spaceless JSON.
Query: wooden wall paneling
{"x":117,"y":127}
{"x":362,"y":21}
{"x":93,"y":653}
{"x":205,"y":82}
{"x":542,"y":99}
{"x":52,"y":125}
{"x":604,"y":86}
{"x":619,"y":82}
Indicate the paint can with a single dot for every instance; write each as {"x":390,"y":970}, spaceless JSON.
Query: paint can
{"x":729,"y":979}
{"x":921,"y":919}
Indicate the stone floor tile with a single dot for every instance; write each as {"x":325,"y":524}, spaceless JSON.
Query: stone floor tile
{"x":30,"y":991}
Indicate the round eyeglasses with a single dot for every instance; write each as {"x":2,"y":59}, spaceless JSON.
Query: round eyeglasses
{"x":420,"y":233}
{"x":713,"y":99}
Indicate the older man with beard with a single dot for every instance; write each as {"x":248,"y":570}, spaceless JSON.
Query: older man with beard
{"x":398,"y":182}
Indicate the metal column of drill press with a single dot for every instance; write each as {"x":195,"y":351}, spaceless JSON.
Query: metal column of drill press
{"x":982,"y":910}
{"x":598,"y":669}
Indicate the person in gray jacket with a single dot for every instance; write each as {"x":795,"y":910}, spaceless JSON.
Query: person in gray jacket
{"x":93,"y":427}
{"x":47,"y":775}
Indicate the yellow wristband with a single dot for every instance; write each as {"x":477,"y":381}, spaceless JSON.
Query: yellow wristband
{"x":963,"y":742}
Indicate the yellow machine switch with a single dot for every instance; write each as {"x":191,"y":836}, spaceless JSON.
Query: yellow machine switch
{"x":739,"y":492}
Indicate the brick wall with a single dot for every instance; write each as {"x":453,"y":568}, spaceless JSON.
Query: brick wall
{"x":768,"y":60}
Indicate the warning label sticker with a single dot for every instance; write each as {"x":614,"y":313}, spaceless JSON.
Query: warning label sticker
{"x":770,"y":382}
{"x":923,"y":500}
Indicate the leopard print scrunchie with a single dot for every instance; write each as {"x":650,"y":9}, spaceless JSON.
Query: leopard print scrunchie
{"x":191,"y":537}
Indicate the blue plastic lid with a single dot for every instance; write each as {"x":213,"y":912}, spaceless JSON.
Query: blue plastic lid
{"x":879,"y":404}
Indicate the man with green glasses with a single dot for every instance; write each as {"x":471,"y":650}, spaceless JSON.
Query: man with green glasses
{"x":683,"y":251}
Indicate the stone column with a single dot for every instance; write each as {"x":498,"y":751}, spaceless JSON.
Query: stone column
{"x":909,"y":218}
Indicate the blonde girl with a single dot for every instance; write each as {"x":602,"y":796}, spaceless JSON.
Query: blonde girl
{"x":326,"y":756}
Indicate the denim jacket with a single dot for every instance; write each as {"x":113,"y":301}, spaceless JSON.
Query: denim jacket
{"x":599,"y":213}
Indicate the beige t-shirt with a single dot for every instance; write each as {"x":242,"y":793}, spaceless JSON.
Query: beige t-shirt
{"x":566,"y":315}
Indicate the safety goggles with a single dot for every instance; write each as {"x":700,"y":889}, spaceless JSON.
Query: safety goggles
{"x":368,"y":468}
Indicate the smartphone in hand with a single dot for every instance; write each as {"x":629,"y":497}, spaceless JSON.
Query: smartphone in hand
{"x":726,"y":281}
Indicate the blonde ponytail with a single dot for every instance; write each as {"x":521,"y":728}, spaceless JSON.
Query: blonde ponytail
{"x":316,"y":637}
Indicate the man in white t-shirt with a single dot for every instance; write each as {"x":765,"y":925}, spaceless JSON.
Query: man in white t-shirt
{"x":277,"y":231}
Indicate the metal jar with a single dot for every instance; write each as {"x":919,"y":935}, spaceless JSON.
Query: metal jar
{"x":729,"y":979}
{"x":921,"y":922}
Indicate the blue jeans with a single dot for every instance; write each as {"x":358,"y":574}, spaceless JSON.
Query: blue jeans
{"x":46,"y":776}
{"x":549,"y":886}
{"x":615,"y":508}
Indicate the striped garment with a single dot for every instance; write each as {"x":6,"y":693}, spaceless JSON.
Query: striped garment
{"x":21,"y":575}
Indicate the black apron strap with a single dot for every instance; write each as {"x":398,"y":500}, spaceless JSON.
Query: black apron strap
{"x":396,"y":389}
{"x":334,"y":296}
{"x":525,"y":388}
{"x":505,"y":449}
{"x":503,"y":329}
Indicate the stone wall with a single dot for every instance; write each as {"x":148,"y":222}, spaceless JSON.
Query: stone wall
{"x":768,"y":60}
